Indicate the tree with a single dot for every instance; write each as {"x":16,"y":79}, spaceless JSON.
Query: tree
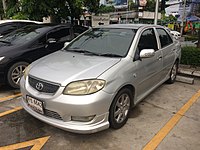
{"x":150,"y":6}
{"x":92,"y":5}
{"x":12,"y":8}
{"x":106,"y":9}
{"x":36,"y":10}
{"x":57,"y":9}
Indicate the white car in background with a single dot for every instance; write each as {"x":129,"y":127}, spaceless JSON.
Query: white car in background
{"x":175,"y":34}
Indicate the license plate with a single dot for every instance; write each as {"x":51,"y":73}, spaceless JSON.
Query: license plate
{"x":35,"y":104}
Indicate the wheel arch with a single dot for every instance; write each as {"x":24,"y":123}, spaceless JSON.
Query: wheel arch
{"x":16,"y":61}
{"x":132,"y":89}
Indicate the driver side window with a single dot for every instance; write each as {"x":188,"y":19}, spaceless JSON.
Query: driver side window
{"x":147,"y":41}
{"x":60,"y":35}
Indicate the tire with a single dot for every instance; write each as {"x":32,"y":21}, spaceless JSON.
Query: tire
{"x":173,"y":73}
{"x":120,"y":108}
{"x":15,"y":73}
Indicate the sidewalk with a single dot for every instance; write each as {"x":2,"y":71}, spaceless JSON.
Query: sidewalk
{"x":187,"y":74}
{"x":188,"y":70}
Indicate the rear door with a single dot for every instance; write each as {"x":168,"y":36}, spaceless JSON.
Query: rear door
{"x":168,"y":49}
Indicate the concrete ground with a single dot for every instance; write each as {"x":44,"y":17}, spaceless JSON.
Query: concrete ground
{"x":156,"y":123}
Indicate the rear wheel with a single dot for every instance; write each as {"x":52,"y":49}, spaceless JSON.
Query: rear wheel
{"x":173,"y":73}
{"x":120,"y":107}
{"x":15,"y":73}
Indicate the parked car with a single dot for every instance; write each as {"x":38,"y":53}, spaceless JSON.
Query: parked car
{"x":175,"y":34}
{"x":7,"y":26}
{"x":27,"y":44}
{"x":97,"y":78}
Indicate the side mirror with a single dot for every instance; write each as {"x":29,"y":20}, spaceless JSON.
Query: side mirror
{"x":147,"y":53}
{"x":51,"y":41}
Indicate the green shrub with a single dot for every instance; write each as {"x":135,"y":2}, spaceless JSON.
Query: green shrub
{"x":190,"y":56}
{"x":191,"y":37}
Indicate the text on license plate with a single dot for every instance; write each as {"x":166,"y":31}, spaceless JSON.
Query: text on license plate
{"x":35,"y":104}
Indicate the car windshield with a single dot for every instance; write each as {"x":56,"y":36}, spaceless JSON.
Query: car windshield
{"x":22,"y":35}
{"x":109,"y":42}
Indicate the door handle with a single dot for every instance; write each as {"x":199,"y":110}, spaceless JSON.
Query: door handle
{"x":159,"y":57}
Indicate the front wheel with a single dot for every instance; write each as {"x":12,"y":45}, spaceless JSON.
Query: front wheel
{"x":173,"y":73}
{"x":119,"y":109}
{"x":15,"y":73}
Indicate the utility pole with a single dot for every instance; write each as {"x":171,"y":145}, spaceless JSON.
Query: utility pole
{"x":183,"y":16}
{"x":156,"y":13}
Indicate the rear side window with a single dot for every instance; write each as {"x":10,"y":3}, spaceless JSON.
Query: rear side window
{"x":164,"y":37}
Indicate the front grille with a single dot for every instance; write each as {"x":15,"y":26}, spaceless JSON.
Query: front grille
{"x":47,"y":87}
{"x":52,"y":114}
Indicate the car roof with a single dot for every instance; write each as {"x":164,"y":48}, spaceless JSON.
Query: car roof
{"x":128,"y":26}
{"x":29,"y":21}
{"x":46,"y":27}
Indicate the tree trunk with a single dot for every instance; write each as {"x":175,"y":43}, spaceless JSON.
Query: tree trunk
{"x":4,"y":6}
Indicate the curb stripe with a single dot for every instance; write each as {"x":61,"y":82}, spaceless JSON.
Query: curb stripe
{"x":10,"y":111}
{"x":10,"y":97}
{"x":36,"y":144}
{"x":158,"y":138}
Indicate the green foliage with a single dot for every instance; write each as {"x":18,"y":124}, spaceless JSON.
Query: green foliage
{"x":20,"y":16}
{"x":92,"y":5}
{"x":190,"y":56}
{"x":12,"y":8}
{"x":132,"y":5}
{"x":168,"y":19}
{"x":36,"y":9}
{"x":150,"y":5}
{"x":191,"y":37}
{"x":106,"y":9}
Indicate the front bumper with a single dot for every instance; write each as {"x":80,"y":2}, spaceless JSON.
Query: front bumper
{"x":66,"y":106}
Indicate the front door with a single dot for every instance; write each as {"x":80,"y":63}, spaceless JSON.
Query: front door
{"x":148,"y":69}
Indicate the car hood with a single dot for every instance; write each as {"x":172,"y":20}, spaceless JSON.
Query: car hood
{"x":64,"y":67}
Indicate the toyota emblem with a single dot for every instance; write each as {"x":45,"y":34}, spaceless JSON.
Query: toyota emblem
{"x":39,"y":86}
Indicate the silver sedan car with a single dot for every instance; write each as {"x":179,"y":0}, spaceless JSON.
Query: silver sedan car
{"x":93,"y":82}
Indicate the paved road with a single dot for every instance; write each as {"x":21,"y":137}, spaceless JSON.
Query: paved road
{"x":150,"y":117}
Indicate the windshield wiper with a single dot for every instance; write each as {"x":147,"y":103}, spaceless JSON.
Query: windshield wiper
{"x":83,"y":51}
{"x":110,"y":55}
{"x":5,"y":42}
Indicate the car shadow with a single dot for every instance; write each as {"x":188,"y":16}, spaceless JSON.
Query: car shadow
{"x":7,"y":89}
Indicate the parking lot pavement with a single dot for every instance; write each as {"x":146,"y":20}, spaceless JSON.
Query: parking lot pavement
{"x":7,"y":91}
{"x":156,"y":122}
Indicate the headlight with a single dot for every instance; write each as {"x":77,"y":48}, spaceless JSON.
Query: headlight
{"x":84,"y":87}
{"x":1,"y":58}
{"x":26,"y":71}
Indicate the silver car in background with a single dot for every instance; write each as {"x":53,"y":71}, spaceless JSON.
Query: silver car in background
{"x":92,"y":83}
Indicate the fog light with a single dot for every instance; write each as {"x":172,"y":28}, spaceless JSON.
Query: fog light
{"x":82,"y":118}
